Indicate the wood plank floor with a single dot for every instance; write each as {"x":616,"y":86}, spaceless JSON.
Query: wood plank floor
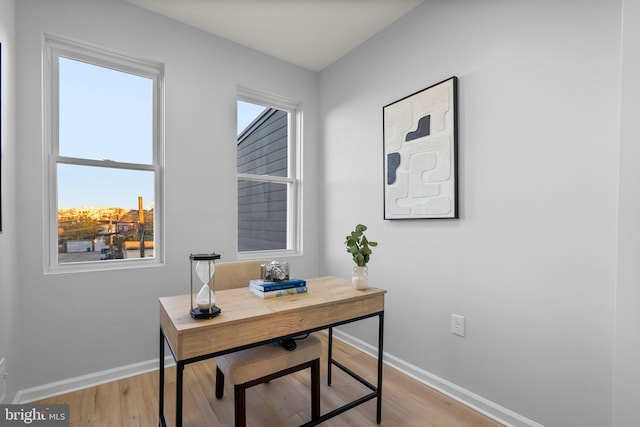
{"x":285,"y":401}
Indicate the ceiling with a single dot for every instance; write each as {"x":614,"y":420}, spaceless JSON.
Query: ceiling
{"x":309,"y":33}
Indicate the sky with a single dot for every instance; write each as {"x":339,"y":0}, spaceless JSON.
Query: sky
{"x":246,"y":113}
{"x":107,"y":115}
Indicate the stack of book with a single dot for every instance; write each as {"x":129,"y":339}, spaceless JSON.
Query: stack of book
{"x":277,"y":289}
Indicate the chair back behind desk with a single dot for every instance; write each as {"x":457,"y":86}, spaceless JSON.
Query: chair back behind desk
{"x":237,"y":274}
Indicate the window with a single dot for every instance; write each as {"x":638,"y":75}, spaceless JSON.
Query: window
{"x":268,"y":175}
{"x":104,"y":158}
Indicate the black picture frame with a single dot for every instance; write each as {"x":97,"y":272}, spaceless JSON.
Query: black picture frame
{"x":420,"y":138}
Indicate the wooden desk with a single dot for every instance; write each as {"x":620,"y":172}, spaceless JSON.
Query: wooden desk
{"x":248,"y":321}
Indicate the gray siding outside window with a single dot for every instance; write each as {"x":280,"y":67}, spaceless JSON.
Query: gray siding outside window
{"x":262,"y":206}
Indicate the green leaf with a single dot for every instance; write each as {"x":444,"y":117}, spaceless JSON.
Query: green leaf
{"x":359,"y":246}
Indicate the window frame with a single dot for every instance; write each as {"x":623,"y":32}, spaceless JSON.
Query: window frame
{"x":294,"y":173}
{"x":54,"y":48}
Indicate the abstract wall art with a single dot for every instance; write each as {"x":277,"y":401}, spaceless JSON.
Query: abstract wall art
{"x":420,"y":154}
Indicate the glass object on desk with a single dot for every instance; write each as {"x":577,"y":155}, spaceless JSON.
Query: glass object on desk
{"x":206,"y":297}
{"x":203,"y":265}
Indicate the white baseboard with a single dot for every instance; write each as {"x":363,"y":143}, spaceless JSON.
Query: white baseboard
{"x":89,"y":380}
{"x":490,"y":409}
{"x":467,"y":398}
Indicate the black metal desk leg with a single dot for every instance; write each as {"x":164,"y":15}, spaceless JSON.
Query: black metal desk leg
{"x":330,"y":355}
{"x":380,"y":363}
{"x":179,"y":376}
{"x":161,"y":421}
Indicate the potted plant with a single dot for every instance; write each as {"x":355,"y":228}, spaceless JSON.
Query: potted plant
{"x":360,"y":249}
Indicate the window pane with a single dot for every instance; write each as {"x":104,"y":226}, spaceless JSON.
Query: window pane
{"x":247,"y":113}
{"x":263,"y":144}
{"x":98,"y":217}
{"x":267,"y":138}
{"x":262,"y":216}
{"x":104,"y":114}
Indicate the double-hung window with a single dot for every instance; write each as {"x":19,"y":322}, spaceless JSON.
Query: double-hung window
{"x":268,"y":174}
{"x":103,"y":114}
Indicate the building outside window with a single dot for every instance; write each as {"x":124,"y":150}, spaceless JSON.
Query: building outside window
{"x":268,"y":175}
{"x":104,"y":158}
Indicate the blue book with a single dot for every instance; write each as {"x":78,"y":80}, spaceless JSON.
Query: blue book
{"x":278,"y":293}
{"x":263,"y":286}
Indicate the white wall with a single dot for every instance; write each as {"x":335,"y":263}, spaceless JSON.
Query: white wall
{"x":531,"y":263}
{"x":77,"y":324}
{"x":8,"y":241}
{"x":627,"y":374}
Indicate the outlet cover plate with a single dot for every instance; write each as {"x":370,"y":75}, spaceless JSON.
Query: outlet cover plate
{"x":457,"y":325}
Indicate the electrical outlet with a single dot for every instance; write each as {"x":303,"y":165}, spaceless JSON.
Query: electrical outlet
{"x":457,"y":325}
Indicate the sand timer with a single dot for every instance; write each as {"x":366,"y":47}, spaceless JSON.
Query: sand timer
{"x":203,"y":269}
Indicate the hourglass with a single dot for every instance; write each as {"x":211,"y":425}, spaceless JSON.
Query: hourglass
{"x":203,"y":268}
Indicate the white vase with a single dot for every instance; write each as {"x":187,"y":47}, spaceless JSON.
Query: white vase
{"x":360,"y":277}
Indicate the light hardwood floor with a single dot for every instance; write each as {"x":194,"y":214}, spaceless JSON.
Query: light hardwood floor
{"x":285,"y":401}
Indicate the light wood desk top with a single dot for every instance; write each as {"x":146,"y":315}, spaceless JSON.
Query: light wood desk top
{"x":247,"y":319}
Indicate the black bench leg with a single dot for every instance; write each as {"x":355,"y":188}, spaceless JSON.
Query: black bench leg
{"x":219,"y":383}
